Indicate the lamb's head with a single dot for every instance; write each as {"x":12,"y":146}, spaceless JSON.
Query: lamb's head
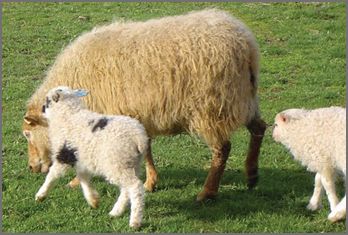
{"x":62,"y":95}
{"x":285,"y":122}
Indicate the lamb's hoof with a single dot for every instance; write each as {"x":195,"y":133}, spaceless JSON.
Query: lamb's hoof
{"x":205,"y":196}
{"x":39,"y":198}
{"x":115,"y":213}
{"x":135,"y":225}
{"x":313,"y":207}
{"x":336,"y":216}
{"x":73,"y":183}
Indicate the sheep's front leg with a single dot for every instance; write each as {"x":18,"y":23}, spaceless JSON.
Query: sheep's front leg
{"x":89,"y":193}
{"x":211,"y":185}
{"x":339,"y":212}
{"x":121,"y":204}
{"x":257,"y":129}
{"x":314,"y":202}
{"x":56,"y":171}
{"x":151,"y":173}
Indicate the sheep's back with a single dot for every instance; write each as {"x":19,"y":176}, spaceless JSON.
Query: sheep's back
{"x":164,"y":71}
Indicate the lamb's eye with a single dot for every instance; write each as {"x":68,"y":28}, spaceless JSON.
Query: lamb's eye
{"x":43,"y":108}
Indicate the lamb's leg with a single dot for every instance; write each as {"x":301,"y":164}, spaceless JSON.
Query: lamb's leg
{"x":314,"y":202}
{"x":211,"y":185}
{"x":121,"y":204}
{"x":339,"y":212}
{"x":328,"y":181}
{"x":89,"y":193}
{"x":136,"y":195}
{"x":257,"y":129}
{"x":56,"y":171}
{"x":151,"y":173}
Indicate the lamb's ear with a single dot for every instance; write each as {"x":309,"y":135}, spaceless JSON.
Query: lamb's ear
{"x":56,"y":96}
{"x":284,"y":118}
{"x":80,"y":92}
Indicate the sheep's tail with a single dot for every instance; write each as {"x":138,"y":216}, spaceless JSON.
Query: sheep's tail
{"x":254,"y":65}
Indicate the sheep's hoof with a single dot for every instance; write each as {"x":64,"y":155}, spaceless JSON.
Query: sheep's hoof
{"x":252,"y":182}
{"x":336,"y":216}
{"x":313,"y":207}
{"x":94,"y":203}
{"x":204,"y":196}
{"x":73,"y":183}
{"x":150,"y":185}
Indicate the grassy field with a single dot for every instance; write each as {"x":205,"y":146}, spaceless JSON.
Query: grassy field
{"x":303,"y":64}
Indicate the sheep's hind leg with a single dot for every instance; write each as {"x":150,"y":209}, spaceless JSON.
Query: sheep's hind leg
{"x":151,"y":173}
{"x":56,"y":171}
{"x":211,"y":185}
{"x":89,"y":193}
{"x":74,"y":182}
{"x":136,"y":195}
{"x":314,"y":202}
{"x":121,"y":204}
{"x":257,"y":128}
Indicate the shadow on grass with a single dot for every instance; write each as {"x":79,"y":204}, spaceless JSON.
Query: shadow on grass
{"x":278,"y":192}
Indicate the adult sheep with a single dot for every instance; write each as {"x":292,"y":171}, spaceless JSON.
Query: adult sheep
{"x":196,"y":73}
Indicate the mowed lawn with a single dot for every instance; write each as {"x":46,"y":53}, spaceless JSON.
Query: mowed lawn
{"x":303,"y":64}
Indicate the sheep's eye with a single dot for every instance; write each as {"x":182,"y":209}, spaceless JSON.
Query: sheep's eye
{"x":43,"y":108}
{"x":26,"y":134}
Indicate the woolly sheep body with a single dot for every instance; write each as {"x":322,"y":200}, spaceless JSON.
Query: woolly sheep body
{"x":317,"y":138}
{"x":113,"y":151}
{"x":194,"y":73}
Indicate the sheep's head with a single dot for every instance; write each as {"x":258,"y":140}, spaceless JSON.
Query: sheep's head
{"x":35,"y":128}
{"x":61,"y":94}
{"x":283,"y":123}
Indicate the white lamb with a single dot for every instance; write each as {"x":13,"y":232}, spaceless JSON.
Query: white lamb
{"x":95,"y":144}
{"x":317,"y":138}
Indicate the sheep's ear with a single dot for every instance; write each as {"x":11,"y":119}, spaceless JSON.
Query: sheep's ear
{"x":34,"y":120}
{"x":56,"y":96}
{"x":31,"y":120}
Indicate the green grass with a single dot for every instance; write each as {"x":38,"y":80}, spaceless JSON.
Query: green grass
{"x":302,"y":65}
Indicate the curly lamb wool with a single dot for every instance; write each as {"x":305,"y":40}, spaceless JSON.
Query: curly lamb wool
{"x":317,"y":138}
{"x":95,"y":144}
{"x":195,"y":73}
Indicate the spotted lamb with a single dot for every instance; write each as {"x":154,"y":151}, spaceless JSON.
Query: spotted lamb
{"x":317,"y":138}
{"x":95,"y":144}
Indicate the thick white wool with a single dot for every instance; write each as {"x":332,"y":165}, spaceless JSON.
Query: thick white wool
{"x":105,"y":145}
{"x":317,"y":138}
